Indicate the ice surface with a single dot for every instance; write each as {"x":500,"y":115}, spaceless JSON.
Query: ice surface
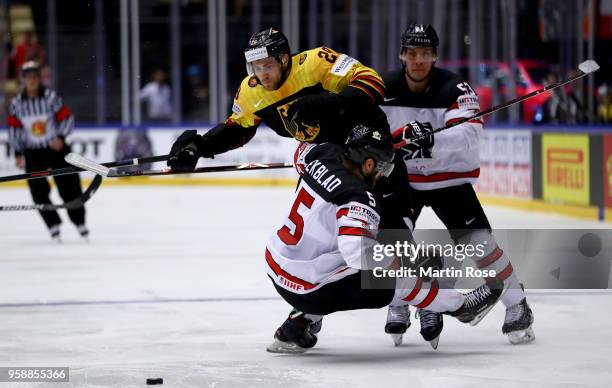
{"x":172,"y":285}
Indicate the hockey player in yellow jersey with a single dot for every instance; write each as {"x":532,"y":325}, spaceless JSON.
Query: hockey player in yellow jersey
{"x":317,"y":96}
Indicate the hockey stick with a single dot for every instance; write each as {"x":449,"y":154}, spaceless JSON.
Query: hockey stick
{"x":87,"y":164}
{"x":73,"y":204}
{"x":72,"y":170}
{"x":585,"y":68}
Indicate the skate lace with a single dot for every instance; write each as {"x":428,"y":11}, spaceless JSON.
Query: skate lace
{"x":477,"y":296}
{"x":399,"y":313}
{"x":428,"y":318}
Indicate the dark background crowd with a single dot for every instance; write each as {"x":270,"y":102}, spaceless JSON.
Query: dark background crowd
{"x":505,"y":48}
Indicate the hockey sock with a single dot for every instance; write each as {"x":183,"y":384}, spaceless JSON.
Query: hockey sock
{"x":494,"y":258}
{"x":426,"y":294}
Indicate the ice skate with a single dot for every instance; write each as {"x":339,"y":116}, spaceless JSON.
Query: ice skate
{"x":517,"y":323}
{"x":83,"y":231}
{"x":479,"y":302}
{"x":398,"y":321}
{"x":55,"y":234}
{"x":431,"y":326}
{"x":297,"y":334}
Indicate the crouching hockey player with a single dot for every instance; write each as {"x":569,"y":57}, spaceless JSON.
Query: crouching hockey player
{"x":315,"y":259}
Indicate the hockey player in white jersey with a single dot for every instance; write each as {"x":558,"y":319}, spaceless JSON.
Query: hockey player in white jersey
{"x":318,"y":257}
{"x":443,"y":167}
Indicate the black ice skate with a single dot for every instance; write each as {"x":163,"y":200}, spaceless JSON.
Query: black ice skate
{"x":479,"y":302}
{"x":517,"y":323}
{"x":398,"y":321}
{"x":82,"y":229}
{"x":431,"y":326}
{"x":54,"y":230}
{"x":297,"y":334}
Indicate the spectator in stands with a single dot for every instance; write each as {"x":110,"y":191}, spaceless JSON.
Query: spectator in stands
{"x":195,"y":94}
{"x":563,"y":107}
{"x":28,"y":50}
{"x":46,"y":77}
{"x":158,"y":97}
{"x":573,"y":93}
{"x":604,"y":104}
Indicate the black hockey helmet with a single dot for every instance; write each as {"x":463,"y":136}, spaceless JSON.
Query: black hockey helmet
{"x":30,"y":67}
{"x":266,"y":43}
{"x":420,"y":35}
{"x":367,"y":142}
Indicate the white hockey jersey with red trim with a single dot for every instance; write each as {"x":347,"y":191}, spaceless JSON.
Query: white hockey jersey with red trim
{"x":455,"y":155}
{"x":332,"y":219}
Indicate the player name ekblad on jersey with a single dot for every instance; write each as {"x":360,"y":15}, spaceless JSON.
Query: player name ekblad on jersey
{"x":318,"y":171}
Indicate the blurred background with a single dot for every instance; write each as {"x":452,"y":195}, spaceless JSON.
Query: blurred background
{"x":100,"y":54}
{"x":138,"y":72}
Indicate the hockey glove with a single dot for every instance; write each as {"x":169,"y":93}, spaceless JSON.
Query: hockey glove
{"x":310,"y":109}
{"x":415,"y":149}
{"x":184,"y":154}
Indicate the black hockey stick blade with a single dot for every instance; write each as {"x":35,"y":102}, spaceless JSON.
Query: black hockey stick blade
{"x":73,"y":170}
{"x":585,"y":68}
{"x":73,"y":204}
{"x":90,"y":165}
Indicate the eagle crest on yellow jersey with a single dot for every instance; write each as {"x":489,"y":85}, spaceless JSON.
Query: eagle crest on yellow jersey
{"x":313,"y":71}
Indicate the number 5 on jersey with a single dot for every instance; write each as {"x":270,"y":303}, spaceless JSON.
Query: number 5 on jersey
{"x":284,"y":233}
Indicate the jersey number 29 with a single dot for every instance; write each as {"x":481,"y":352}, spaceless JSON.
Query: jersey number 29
{"x":327,"y":54}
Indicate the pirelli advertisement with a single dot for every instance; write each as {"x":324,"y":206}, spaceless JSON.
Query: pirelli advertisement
{"x":565,"y":168}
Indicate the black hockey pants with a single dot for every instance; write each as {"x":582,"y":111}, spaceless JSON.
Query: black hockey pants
{"x":69,"y":186}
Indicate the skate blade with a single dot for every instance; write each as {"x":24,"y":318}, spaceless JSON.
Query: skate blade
{"x":285,"y":348}
{"x":397,"y":339}
{"x":521,"y":336}
{"x":434,"y":342}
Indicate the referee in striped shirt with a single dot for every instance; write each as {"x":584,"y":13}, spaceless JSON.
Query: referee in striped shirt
{"x":38,"y":124}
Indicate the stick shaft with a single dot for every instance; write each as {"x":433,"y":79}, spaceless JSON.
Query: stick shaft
{"x":228,"y":168}
{"x":72,"y":170}
{"x":495,"y":108}
{"x":73,"y":204}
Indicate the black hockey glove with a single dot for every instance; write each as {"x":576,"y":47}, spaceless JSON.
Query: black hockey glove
{"x":311,"y":109}
{"x":415,"y":149}
{"x":184,"y":154}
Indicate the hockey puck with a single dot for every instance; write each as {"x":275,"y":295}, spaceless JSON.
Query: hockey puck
{"x":155,"y":381}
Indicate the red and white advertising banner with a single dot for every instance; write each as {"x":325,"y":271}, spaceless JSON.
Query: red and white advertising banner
{"x":505,"y":163}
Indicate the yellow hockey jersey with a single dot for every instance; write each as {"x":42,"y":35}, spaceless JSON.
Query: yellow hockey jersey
{"x":312,"y":71}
